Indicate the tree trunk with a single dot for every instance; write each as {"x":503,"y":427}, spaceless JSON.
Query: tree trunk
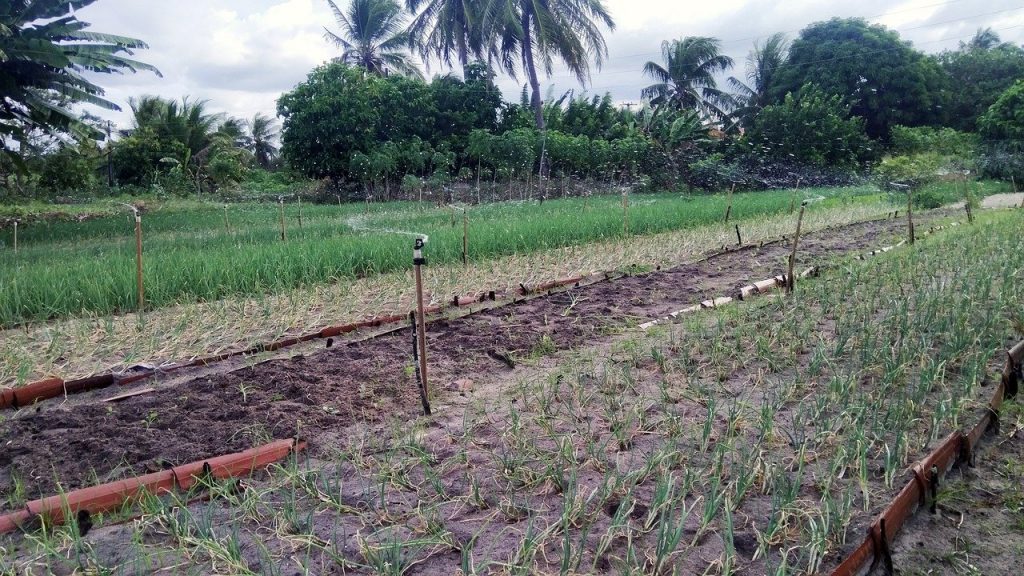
{"x":531,"y":72}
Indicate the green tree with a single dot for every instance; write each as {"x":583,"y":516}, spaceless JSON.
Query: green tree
{"x":980,"y":70}
{"x":810,"y":127}
{"x":686,"y":80}
{"x":446,"y":29}
{"x":1004,"y":120}
{"x":372,"y":37}
{"x":883,"y":78}
{"x":261,"y":137}
{"x":763,"y":64}
{"x":44,"y":51}
{"x":534,"y":33}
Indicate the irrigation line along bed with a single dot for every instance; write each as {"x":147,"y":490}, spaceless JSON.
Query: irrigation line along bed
{"x":114,"y":496}
{"x":958,"y":448}
{"x":23,"y":396}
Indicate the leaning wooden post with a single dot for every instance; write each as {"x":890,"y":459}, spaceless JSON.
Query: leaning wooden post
{"x":1014,"y":183}
{"x":421,"y":326}
{"x":15,"y":237}
{"x":284,"y":231}
{"x":790,"y":281}
{"x":138,"y":260}
{"x":728,"y":210}
{"x":465,"y":238}
{"x":739,"y":239}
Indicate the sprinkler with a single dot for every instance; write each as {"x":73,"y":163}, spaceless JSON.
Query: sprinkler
{"x":418,"y":261}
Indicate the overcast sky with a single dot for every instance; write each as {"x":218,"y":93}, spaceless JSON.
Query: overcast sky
{"x":242,"y":54}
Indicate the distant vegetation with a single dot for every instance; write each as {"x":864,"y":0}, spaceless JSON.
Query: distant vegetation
{"x":843,"y":101}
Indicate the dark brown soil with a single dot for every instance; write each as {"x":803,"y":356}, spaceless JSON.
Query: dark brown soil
{"x":319,"y":396}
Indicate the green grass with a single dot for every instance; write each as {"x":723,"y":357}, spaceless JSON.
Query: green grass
{"x":66,"y":269}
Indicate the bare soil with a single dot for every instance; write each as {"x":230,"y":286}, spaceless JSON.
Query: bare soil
{"x":86,"y":440}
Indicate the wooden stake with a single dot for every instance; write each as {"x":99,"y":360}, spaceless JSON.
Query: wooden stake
{"x":967,"y":202}
{"x":910,"y":215}
{"x":465,"y":238}
{"x":15,"y":236}
{"x":792,"y":199}
{"x":421,"y":329}
{"x":739,"y":239}
{"x":284,"y":231}
{"x":790,"y":281}
{"x":1014,"y":182}
{"x":300,"y":213}
{"x":416,"y":364}
{"x":625,"y":213}
{"x":227,"y":225}
{"x":138,"y":261}
{"x":728,"y":210}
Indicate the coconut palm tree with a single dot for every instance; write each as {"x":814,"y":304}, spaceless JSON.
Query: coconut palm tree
{"x":372,"y":37}
{"x":44,"y":51}
{"x":534,"y":33}
{"x":687,"y":78}
{"x":187,"y":122}
{"x":263,"y":132}
{"x":763,"y":63}
{"x":445,"y":29}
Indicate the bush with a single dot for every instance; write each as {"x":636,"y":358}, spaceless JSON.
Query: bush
{"x":67,"y":170}
{"x":926,"y":139}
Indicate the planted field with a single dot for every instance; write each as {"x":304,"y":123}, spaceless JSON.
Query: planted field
{"x":758,"y":438}
{"x":211,"y":252}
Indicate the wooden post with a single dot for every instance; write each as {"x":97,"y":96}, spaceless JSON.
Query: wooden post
{"x":625,"y":213}
{"x":15,"y":237}
{"x":465,"y":238}
{"x":967,"y":202}
{"x":300,"y":213}
{"x":728,"y":210}
{"x":910,"y":215}
{"x":138,"y":261}
{"x":739,"y":239}
{"x":790,"y":281}
{"x":421,"y":329}
{"x":227,"y":224}
{"x":284,"y":231}
{"x":792,"y":199}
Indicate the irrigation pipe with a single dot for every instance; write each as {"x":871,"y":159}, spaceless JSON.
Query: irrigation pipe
{"x":958,"y":447}
{"x":49,"y":388}
{"x":115,"y":495}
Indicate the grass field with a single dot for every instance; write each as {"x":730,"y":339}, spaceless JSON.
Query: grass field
{"x":756,"y":438}
{"x":209,"y":252}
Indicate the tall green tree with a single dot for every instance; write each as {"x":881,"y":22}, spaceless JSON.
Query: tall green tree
{"x":373,"y":37}
{"x":446,"y":29}
{"x":980,"y":70}
{"x":262,"y":134}
{"x":883,"y":78}
{"x":44,"y":52}
{"x":686,"y":78}
{"x":541,"y":31}
{"x":763,"y":64}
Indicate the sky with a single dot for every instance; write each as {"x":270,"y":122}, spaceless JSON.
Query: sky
{"x":241,"y":55}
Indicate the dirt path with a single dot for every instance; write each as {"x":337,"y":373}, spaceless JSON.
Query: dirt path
{"x":1003,"y":200}
{"x":321,"y":396}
